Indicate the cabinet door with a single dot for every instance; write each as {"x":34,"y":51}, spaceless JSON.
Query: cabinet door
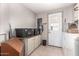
{"x":39,"y":40}
{"x":36,"y":41}
{"x":69,"y":42}
{"x":30,"y":45}
{"x":26,"y":45}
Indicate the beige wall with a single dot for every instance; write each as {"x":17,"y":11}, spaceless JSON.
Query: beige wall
{"x":21,"y":17}
{"x":67,"y":14}
{"x":4,"y":18}
{"x":4,"y":28}
{"x":17,"y":15}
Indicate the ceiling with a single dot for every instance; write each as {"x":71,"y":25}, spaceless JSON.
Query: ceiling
{"x":43,"y":7}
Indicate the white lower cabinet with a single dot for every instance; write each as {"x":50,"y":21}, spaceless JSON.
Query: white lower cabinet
{"x":31,"y":44}
{"x":39,"y":40}
{"x":36,"y":41}
{"x":69,"y":46}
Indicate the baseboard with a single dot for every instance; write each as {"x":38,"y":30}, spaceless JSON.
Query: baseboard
{"x":54,"y":46}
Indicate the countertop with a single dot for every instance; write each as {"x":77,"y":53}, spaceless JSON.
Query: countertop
{"x":71,"y":35}
{"x":29,"y":37}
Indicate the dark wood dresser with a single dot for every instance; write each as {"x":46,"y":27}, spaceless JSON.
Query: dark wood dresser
{"x":12,"y":47}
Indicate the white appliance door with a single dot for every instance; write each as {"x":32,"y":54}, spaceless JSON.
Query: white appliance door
{"x":55,"y":29}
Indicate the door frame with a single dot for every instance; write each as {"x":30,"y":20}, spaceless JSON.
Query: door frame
{"x":48,"y":26}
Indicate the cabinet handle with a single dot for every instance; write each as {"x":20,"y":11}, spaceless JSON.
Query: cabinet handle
{"x":51,"y":27}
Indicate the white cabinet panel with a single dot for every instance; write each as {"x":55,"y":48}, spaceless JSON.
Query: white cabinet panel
{"x":39,"y":40}
{"x":36,"y":41}
{"x":30,"y":45}
{"x":26,"y":45}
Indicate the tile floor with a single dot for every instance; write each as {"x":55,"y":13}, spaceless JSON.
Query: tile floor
{"x":47,"y":51}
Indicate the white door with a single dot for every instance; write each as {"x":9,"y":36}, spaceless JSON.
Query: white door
{"x":55,"y":29}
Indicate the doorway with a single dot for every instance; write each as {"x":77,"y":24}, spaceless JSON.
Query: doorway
{"x":55,"y":29}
